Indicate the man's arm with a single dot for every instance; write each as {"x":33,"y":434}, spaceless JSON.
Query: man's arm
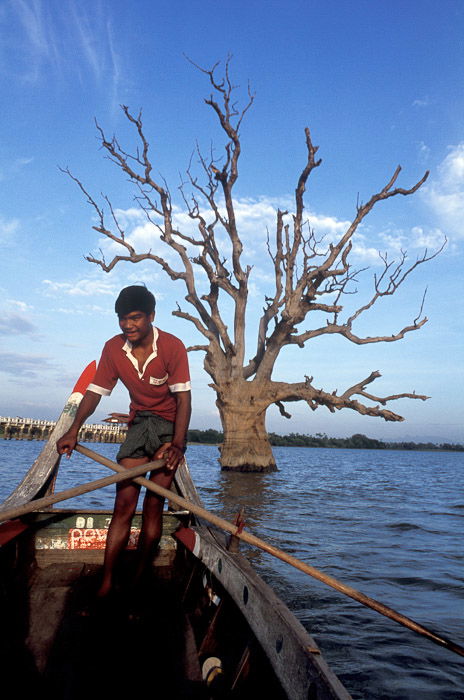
{"x":87,"y":406}
{"x":175,"y":452}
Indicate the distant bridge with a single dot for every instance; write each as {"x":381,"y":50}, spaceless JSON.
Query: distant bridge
{"x":34,"y":429}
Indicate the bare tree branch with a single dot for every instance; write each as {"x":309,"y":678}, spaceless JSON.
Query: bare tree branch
{"x":325,"y":277}
{"x":282,"y":410}
{"x":304,"y":391}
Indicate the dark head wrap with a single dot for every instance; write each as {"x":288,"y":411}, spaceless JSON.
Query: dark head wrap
{"x":134,"y":298}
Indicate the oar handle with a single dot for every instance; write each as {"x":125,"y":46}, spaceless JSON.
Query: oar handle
{"x":288,"y":558}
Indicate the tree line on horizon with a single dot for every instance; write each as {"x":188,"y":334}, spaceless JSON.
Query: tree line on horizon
{"x":357,"y":441}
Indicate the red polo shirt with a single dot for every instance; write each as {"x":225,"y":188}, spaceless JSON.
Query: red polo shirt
{"x":165,"y":372}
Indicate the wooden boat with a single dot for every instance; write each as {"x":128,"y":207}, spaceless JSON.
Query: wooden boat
{"x":203,"y":625}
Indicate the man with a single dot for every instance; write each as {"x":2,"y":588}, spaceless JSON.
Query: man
{"x":153,"y":366}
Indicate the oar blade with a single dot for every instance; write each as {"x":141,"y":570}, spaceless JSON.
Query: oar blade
{"x":47,"y":462}
{"x":86,"y":378}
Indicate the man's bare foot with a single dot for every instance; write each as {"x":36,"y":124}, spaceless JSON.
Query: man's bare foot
{"x":104,"y":590}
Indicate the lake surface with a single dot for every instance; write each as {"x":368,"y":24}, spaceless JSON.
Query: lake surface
{"x":388,"y":523}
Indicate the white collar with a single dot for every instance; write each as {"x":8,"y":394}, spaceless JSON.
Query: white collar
{"x":127,"y":348}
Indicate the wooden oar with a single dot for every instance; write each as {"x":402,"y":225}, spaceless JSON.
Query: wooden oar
{"x":39,"y":503}
{"x":288,"y":558}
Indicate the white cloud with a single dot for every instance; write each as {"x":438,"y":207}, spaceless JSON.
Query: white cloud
{"x":445,"y":193}
{"x":81,"y":288}
{"x":394,"y":241}
{"x":254,"y":217}
{"x":87,"y":309}
{"x":254,"y":290}
{"x":431,"y":238}
{"x":8,"y":228}
{"x":327,"y":225}
{"x":67,"y":37}
{"x":14,"y":167}
{"x":84,"y":295}
{"x":365,"y":254}
{"x":130,"y":216}
{"x":424,"y":102}
{"x":25,"y":366}
{"x":12,"y":323}
{"x":18,"y":305}
{"x":88,"y":42}
{"x":423,"y":152}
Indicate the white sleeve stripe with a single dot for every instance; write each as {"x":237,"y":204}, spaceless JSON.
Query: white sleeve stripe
{"x":99,"y":390}
{"x":180,"y":387}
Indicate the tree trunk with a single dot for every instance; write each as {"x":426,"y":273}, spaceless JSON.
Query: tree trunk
{"x":246,"y":446}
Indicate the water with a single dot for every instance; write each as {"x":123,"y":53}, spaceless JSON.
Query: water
{"x":388,"y":523}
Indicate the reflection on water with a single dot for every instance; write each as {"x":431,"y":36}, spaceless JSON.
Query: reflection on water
{"x":387,"y":523}
{"x":232,"y":493}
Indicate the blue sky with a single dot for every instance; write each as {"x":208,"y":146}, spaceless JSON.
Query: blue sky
{"x":379,"y":84}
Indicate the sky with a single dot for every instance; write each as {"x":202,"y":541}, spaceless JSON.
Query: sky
{"x":378,"y":84}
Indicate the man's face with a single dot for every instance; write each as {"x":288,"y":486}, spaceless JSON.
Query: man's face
{"x":136,"y":326}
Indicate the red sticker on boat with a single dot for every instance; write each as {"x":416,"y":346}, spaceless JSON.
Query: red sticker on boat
{"x":95,"y":538}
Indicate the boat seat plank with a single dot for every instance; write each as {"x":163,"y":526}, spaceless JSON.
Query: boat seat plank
{"x":191,"y":663}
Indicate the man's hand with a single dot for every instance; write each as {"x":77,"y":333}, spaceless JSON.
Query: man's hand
{"x":171,"y":453}
{"x":67,"y":443}
{"x":175,"y":453}
{"x":174,"y":456}
{"x":87,"y":406}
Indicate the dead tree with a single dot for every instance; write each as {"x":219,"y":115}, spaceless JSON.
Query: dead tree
{"x":309,"y":278}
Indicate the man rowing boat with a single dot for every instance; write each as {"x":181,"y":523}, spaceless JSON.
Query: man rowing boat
{"x":154,"y":368}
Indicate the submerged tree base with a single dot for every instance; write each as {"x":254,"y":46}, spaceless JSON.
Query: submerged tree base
{"x":251,"y":468}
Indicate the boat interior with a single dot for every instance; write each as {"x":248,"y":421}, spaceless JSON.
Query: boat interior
{"x":177,"y":632}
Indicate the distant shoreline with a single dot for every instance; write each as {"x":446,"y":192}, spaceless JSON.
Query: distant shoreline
{"x":355,"y":442}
